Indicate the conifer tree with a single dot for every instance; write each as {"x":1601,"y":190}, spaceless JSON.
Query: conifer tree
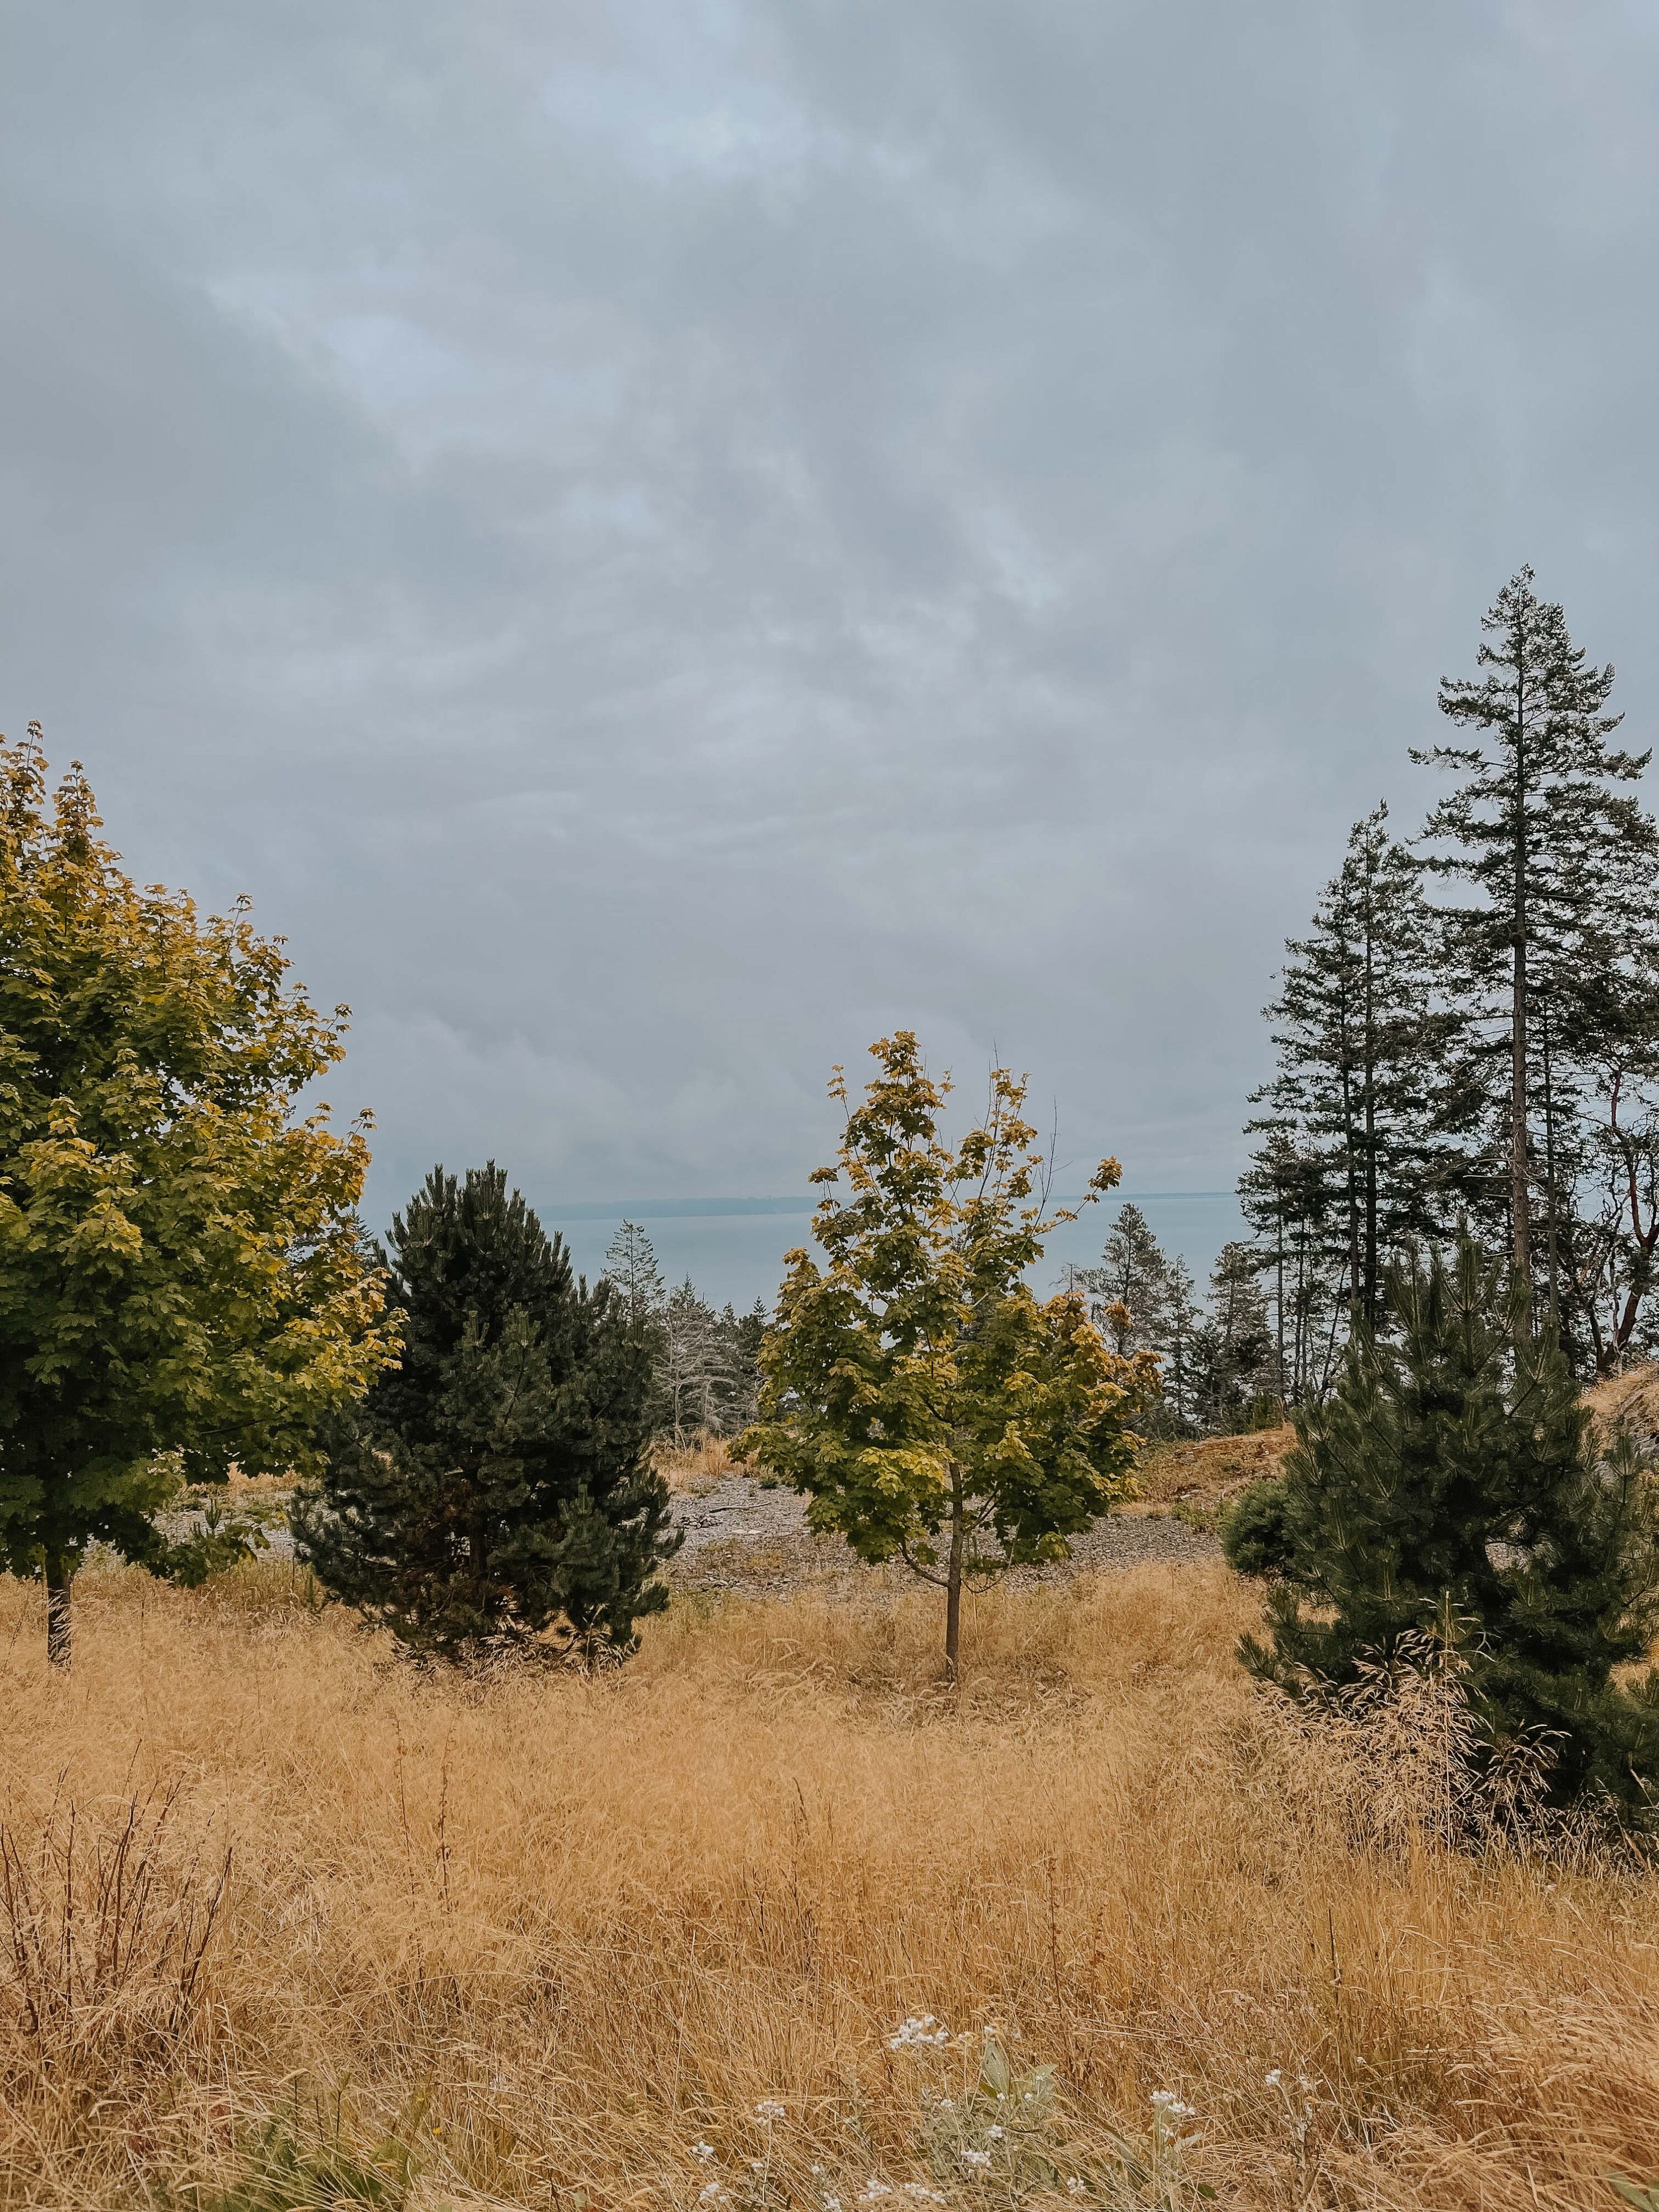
{"x":1233,"y":1346}
{"x":1130,"y":1284}
{"x":1455,"y":1475}
{"x":1176,"y":1351}
{"x":495,"y":1491}
{"x":1352,"y":1164}
{"x":1565,"y":862}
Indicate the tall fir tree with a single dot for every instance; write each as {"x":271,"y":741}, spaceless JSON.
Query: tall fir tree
{"x":1556,"y":952}
{"x":1128,"y":1289}
{"x":1353,"y":1161}
{"x":1455,"y":1475}
{"x":1233,"y":1347}
{"x":496,"y":1491}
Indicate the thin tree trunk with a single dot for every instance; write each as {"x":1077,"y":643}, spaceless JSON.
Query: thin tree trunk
{"x":58,"y":1580}
{"x":953,"y":1582}
{"x":1520,"y":1199}
{"x":1371,"y":1268}
{"x":1549,"y":1169}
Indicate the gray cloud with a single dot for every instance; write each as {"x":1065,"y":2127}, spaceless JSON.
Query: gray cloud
{"x":659,"y":541}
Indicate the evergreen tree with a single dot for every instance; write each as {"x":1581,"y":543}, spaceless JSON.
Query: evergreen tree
{"x":1233,"y":1347}
{"x":1129,"y":1288}
{"x":1455,"y":1476}
{"x":743,"y":1336}
{"x":635,"y":1280}
{"x":1177,"y":1349}
{"x":1353,"y":1165}
{"x":1558,"y":953}
{"x":496,"y":1487}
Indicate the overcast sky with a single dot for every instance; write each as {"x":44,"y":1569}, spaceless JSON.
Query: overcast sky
{"x":660,"y":540}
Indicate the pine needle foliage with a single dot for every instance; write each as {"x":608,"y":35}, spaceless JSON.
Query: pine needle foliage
{"x":494,"y":1493}
{"x":1453,"y":1482}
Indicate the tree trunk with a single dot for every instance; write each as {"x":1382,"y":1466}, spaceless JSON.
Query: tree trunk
{"x":58,"y":1579}
{"x":953,"y":1580}
{"x":1520,"y":1201}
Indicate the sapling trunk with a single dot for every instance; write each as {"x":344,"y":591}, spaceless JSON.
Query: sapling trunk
{"x":953,"y":1577}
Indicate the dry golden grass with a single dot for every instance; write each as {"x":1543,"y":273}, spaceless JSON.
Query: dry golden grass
{"x":695,"y":1465}
{"x":562,"y":1931}
{"x":1210,"y":1468}
{"x":1631,"y":1398}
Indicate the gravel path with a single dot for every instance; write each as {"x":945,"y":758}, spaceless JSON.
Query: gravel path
{"x":742,"y":1536}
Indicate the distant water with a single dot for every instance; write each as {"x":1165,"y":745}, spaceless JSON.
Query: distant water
{"x":732,"y":1247}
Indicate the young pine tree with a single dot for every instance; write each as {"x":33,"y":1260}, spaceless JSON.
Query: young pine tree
{"x":496,"y":1487}
{"x":1455,"y":1474}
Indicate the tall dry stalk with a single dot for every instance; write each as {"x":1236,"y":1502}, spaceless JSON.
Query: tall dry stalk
{"x":104,"y":1931}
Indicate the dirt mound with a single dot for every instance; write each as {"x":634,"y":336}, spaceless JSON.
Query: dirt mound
{"x":1632,"y":1400}
{"x":1211,"y":1468}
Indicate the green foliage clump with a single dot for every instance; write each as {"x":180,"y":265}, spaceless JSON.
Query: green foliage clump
{"x":1255,"y":1530}
{"x":496,"y":1487}
{"x":1454,"y":1476}
{"x":183,"y":1279}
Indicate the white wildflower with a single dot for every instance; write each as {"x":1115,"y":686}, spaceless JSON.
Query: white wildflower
{"x":977,"y":2158}
{"x":921,"y":2032}
{"x":769,"y":2109}
{"x":1274,"y":2078}
{"x":703,"y":2150}
{"x":711,"y":2195}
{"x":993,"y":2133}
{"x":1168,"y":2106}
{"x":1076,"y":2188}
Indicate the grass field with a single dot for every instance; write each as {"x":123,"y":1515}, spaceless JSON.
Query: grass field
{"x":553,"y":1936}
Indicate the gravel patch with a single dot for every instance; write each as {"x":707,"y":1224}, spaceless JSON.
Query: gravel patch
{"x":742,"y":1536}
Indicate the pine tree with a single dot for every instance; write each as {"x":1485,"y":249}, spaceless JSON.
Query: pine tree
{"x":635,"y":1280}
{"x":1566,"y":865}
{"x":1176,"y":1349}
{"x":1353,"y":1165}
{"x":1233,"y":1348}
{"x":1454,"y":1476}
{"x":1130,"y":1285}
{"x":494,"y":1490}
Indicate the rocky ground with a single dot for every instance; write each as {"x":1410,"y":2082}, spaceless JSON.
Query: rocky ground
{"x":740,"y":1535}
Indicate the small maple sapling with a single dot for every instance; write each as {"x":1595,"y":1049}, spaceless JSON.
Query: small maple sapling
{"x":931,"y":1407}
